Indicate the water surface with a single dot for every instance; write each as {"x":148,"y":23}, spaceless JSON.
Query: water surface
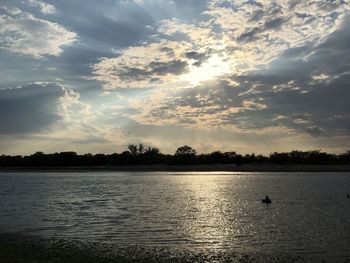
{"x":197,"y":211}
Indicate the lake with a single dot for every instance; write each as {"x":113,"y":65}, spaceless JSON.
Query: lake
{"x":200,"y":213}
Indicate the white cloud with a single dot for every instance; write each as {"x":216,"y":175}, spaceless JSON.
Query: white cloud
{"x":206,"y":106}
{"x":154,"y":64}
{"x":23,"y":33}
{"x":45,"y":8}
{"x":234,"y":38}
{"x":71,"y":107}
{"x":258,"y":32}
{"x":240,"y":36}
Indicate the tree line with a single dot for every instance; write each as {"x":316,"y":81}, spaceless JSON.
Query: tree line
{"x":185,"y":155}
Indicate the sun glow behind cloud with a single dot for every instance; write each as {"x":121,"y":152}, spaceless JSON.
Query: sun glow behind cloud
{"x":214,"y":67}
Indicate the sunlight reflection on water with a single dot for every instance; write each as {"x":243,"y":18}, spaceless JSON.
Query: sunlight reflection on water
{"x":215,"y":211}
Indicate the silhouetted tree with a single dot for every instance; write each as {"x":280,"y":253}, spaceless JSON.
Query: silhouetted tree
{"x":344,"y":157}
{"x":141,"y":149}
{"x":133,"y":149}
{"x":185,"y":155}
{"x":142,"y":154}
{"x":151,"y":156}
{"x":185,"y":151}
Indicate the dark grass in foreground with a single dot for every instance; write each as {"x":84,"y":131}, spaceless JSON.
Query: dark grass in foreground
{"x":16,"y":248}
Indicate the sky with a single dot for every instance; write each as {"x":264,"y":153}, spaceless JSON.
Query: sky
{"x":246,"y":76}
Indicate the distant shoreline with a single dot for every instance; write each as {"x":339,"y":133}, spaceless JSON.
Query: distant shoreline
{"x":186,"y":168}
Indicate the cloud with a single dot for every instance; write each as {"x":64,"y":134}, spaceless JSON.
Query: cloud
{"x":302,"y":93}
{"x":269,"y":28}
{"x":210,"y":104}
{"x":44,"y":112}
{"x":22,"y":33}
{"x":155,"y":64}
{"x":244,"y":35}
{"x":45,"y":8}
{"x":30,"y":108}
{"x":108,"y":24}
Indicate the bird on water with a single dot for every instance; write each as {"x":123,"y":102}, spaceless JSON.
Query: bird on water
{"x":267,"y":200}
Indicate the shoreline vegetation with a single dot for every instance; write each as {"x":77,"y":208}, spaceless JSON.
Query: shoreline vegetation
{"x":185,"y":168}
{"x":142,"y":158}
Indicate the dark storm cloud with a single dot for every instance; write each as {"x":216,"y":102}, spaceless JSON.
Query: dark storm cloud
{"x":30,"y":108}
